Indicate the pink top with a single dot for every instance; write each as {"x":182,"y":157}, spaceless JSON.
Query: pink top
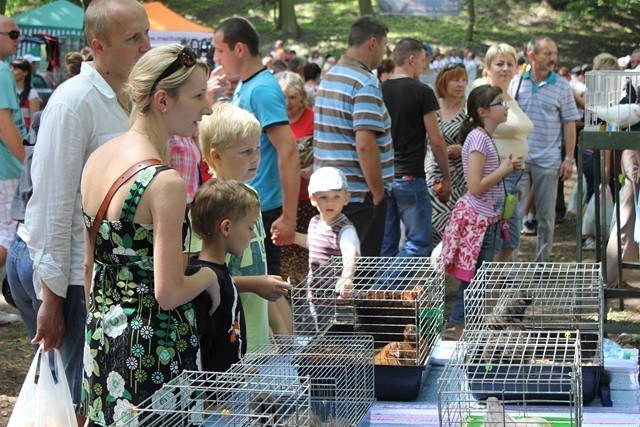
{"x":488,"y":204}
{"x":185,"y":157}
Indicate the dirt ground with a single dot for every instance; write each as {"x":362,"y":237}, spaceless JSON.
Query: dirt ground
{"x":17,"y":353}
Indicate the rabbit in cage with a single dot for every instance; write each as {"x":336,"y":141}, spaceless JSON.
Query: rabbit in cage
{"x":509,"y":316}
{"x":495,"y":416}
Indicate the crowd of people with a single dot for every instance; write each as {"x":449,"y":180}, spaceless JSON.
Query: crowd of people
{"x":156,"y":214}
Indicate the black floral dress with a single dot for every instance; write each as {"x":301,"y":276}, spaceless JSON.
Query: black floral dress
{"x":132,"y":345}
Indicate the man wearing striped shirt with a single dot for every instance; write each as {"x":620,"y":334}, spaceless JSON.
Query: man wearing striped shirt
{"x":548,"y":101}
{"x":352,"y":130}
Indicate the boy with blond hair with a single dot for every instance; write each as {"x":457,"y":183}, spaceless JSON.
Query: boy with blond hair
{"x":230,"y":145}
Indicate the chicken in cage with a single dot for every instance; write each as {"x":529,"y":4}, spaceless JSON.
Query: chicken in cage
{"x":398,"y":301}
{"x":611,"y":101}
{"x":512,"y":378}
{"x":542,"y":297}
{"x":233,"y":399}
{"x":340,"y":371}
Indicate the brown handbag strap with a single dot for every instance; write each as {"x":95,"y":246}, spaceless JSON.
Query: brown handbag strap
{"x":116,"y":185}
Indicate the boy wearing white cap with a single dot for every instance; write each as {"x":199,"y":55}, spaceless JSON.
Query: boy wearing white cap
{"x":330,"y":233}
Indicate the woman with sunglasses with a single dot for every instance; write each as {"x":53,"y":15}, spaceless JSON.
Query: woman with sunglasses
{"x":30,"y":101}
{"x":140,"y":326}
{"x":510,"y":137}
{"x":451,"y":84}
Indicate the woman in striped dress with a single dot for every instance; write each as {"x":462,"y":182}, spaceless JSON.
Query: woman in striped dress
{"x":450,"y":89}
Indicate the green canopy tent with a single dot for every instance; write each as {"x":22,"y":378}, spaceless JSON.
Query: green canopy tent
{"x":60,"y":19}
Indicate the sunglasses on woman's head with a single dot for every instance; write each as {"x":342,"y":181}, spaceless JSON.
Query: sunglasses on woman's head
{"x":186,"y":57}
{"x":13,"y":35}
{"x":452,"y":65}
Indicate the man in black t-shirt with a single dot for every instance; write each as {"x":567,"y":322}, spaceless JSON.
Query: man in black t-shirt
{"x":412,"y":107}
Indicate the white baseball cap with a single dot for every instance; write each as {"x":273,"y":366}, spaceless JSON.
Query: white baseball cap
{"x":327,"y":179}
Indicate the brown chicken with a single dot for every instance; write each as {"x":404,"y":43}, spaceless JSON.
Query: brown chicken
{"x":399,"y":353}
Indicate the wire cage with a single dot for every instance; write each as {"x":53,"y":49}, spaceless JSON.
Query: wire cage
{"x":611,"y":98}
{"x":339,"y":367}
{"x":398,"y":301}
{"x":512,"y":378}
{"x":543,"y":297}
{"x":231,"y":399}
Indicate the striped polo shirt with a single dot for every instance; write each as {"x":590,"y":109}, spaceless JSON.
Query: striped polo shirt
{"x":324,"y":242}
{"x":548,"y":105}
{"x":349,"y":99}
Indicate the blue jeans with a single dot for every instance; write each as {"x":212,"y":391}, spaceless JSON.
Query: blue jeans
{"x":75,"y":319}
{"x":273,"y":252}
{"x":511,"y":184}
{"x":408,"y":202}
{"x":486,"y":254}
{"x":20,"y":277}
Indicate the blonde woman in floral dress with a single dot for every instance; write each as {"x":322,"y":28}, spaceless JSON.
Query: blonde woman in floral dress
{"x":141,"y":328}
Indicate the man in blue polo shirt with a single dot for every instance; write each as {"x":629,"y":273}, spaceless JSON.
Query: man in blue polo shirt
{"x":548,"y":101}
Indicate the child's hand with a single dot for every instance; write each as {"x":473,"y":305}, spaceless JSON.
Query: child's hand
{"x":517,"y":162}
{"x":274,"y":288}
{"x":214,"y":294}
{"x":344,"y":286}
{"x":507,"y":165}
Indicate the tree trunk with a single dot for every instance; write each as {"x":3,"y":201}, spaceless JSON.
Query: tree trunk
{"x":365,"y":7}
{"x":471,"y":20}
{"x":288,"y":19}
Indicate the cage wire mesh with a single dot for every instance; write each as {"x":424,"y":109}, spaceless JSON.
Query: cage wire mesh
{"x":223,"y":399}
{"x":512,"y":378}
{"x":611,"y":97}
{"x":540,"y":297}
{"x":339,"y":367}
{"x":398,"y":301}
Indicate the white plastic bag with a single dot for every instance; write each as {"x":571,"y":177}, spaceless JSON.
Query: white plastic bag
{"x":574,"y":203}
{"x":589,"y":220}
{"x":44,"y":403}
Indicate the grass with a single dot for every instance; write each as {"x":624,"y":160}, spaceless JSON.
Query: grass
{"x":325,"y":24}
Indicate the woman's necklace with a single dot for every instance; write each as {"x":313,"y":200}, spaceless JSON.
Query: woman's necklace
{"x":140,"y":133}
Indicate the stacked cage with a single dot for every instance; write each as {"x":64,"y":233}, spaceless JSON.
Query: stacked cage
{"x":231,"y":399}
{"x":548,"y":297}
{"x":611,"y":101}
{"x":533,"y":337}
{"x":512,"y":378}
{"x":339,"y":368}
{"x":398,"y":301}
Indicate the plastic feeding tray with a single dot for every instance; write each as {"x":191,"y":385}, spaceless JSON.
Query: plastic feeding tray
{"x":397,"y":301}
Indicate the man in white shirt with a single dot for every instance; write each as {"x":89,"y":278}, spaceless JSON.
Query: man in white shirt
{"x":83,"y":113}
